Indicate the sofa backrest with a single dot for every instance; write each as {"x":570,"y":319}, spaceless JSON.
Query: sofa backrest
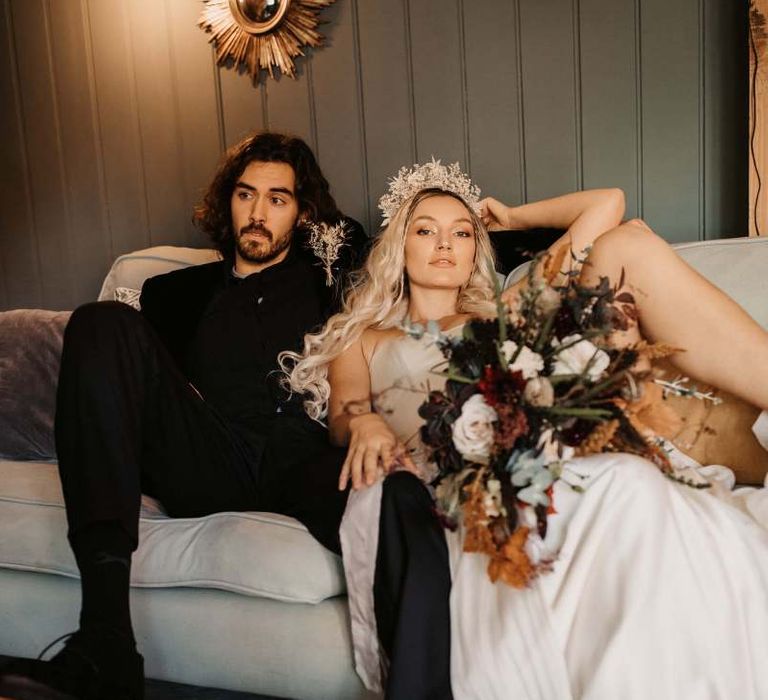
{"x":738,"y":266}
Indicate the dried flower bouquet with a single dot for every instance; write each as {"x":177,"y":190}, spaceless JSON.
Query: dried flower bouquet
{"x":524,"y":393}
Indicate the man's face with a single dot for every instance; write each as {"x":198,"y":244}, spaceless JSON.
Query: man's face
{"x":264,"y":213}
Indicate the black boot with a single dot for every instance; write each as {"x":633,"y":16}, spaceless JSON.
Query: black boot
{"x":87,"y":668}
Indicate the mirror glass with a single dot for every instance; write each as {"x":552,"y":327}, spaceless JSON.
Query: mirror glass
{"x":260,"y":11}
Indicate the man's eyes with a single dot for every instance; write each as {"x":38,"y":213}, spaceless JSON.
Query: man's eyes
{"x":246,"y":195}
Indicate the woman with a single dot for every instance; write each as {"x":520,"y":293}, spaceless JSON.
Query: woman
{"x":651,"y":575}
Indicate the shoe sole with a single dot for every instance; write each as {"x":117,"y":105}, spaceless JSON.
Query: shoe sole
{"x":20,"y":688}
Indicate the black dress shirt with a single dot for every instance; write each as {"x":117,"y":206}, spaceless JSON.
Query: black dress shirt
{"x":226,"y":332}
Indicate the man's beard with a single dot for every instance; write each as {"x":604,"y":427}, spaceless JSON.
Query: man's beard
{"x":261,"y":250}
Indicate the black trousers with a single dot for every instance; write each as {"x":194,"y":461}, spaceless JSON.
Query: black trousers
{"x":128,"y":422}
{"x":412,"y":586}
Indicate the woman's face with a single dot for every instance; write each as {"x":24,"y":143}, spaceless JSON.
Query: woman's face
{"x":440,"y":244}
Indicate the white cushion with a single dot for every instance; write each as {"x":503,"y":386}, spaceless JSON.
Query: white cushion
{"x":738,"y":266}
{"x":130,"y":270}
{"x":255,"y":554}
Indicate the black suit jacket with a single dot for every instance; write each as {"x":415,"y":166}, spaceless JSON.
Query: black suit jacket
{"x":175,"y":302}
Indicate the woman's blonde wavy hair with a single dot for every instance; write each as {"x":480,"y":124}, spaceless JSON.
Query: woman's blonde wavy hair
{"x":378,"y":298}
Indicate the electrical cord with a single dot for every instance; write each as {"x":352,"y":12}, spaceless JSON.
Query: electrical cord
{"x":753,"y":89}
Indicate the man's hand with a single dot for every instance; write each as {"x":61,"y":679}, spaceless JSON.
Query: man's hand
{"x":373,"y":450}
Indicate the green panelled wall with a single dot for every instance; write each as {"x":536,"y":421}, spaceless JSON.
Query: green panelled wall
{"x":113,"y":115}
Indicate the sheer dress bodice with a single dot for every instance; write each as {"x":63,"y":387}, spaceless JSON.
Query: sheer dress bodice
{"x":403,"y":372}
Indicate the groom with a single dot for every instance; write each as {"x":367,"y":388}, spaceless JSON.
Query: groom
{"x":182,"y":401}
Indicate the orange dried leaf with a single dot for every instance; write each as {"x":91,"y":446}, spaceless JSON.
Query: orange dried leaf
{"x":598,"y":439}
{"x":553,"y":263}
{"x":651,"y":414}
{"x":655,"y":351}
{"x":511,"y":564}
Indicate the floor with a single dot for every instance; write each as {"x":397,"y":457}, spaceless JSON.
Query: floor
{"x":162,"y":690}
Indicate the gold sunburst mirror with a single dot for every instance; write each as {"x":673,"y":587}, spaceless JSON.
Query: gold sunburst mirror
{"x":262,"y":34}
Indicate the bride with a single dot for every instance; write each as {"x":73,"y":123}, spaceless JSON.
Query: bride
{"x":658,"y":589}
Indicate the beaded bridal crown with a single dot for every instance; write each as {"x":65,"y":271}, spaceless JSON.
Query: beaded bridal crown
{"x":409,"y":181}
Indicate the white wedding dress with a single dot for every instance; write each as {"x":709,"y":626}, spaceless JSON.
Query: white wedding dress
{"x":659,"y":590}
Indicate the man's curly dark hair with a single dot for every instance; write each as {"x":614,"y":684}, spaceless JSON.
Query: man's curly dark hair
{"x":213,"y":214}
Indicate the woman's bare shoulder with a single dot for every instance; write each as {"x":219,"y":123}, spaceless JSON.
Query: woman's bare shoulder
{"x":372,"y":337}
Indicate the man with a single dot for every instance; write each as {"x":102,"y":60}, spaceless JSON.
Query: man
{"x":183,"y":402}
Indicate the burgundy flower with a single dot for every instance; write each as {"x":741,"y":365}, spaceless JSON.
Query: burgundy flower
{"x":512,"y":423}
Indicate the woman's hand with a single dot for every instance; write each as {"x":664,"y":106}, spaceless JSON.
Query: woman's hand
{"x":496,"y":215}
{"x":373,"y":450}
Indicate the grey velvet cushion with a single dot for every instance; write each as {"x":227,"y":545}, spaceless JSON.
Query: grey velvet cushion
{"x":30,"y":348}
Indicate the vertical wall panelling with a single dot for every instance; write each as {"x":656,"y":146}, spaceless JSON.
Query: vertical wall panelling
{"x":518,"y":42}
{"x":671,"y":114}
{"x":437,"y":80}
{"x":83,"y":191}
{"x":335,"y":84}
{"x":119,"y":126}
{"x":289,"y":102}
{"x":639,"y":106}
{"x":43,"y":143}
{"x":386,"y":95}
{"x":243,"y":104}
{"x":550,"y":97}
{"x":725,"y":135}
{"x":576,"y":20}
{"x":20,"y":284}
{"x":159,"y":117}
{"x":197,"y":122}
{"x":102,"y":203}
{"x":608,"y":97}
{"x":493,"y":99}
{"x":114,"y":114}
{"x":4,"y":303}
{"x":219,"y":101}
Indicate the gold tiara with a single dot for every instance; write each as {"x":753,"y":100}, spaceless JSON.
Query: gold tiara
{"x":410,"y":181}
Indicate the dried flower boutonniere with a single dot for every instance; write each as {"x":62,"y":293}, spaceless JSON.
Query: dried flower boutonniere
{"x":326,"y":241}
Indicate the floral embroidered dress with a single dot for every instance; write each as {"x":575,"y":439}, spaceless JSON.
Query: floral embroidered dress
{"x":658,"y":590}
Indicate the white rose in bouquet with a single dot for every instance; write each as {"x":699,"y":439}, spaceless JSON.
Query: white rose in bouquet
{"x":580,"y":356}
{"x":473,"y":429}
{"x":528,"y":362}
{"x":539,"y":392}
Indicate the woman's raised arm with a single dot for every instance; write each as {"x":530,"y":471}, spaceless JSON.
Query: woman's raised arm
{"x":584,"y":215}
